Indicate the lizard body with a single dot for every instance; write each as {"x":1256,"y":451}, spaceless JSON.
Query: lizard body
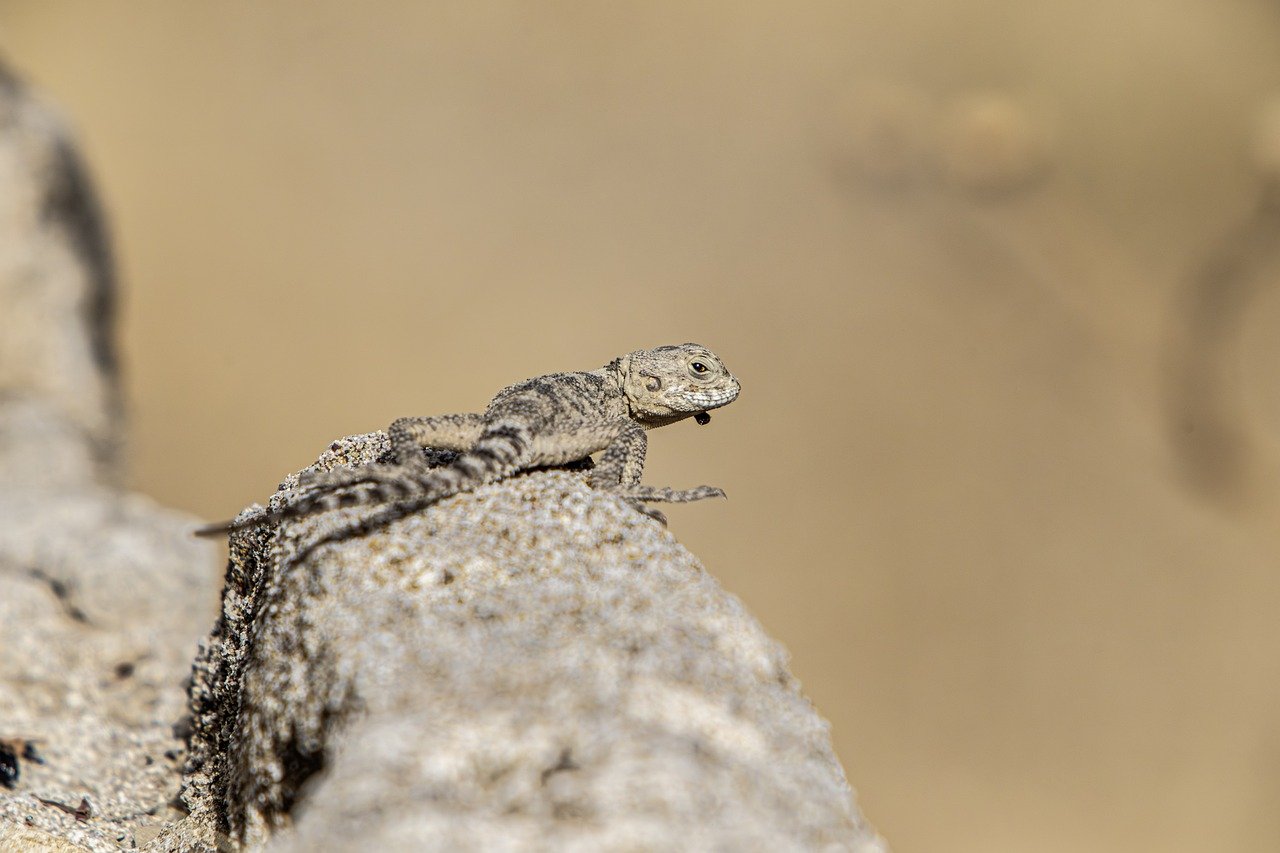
{"x":545,"y":421}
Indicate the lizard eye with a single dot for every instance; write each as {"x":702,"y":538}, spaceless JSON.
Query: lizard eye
{"x":698,"y":369}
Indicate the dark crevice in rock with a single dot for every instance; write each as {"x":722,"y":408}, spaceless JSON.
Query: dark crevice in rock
{"x":564,"y":763}
{"x":62,"y":593}
{"x":300,"y":767}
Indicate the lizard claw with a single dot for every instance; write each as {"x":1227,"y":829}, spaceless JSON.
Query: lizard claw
{"x":646,"y":510}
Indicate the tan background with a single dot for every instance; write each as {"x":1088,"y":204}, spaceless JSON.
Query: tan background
{"x":999,"y":484}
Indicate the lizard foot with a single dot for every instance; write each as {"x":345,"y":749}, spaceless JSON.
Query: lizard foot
{"x":646,"y":510}
{"x":662,"y":494}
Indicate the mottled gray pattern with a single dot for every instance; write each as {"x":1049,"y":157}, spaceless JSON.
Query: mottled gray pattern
{"x":550,"y":420}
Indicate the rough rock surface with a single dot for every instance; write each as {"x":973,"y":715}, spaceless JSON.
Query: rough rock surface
{"x":103,"y":595}
{"x":532,"y":666}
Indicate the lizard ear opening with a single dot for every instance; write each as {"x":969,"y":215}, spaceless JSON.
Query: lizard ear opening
{"x":702,"y":418}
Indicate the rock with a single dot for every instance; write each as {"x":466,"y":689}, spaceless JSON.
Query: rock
{"x":31,"y":840}
{"x":529,"y":666}
{"x":103,"y":594}
{"x":57,"y":291}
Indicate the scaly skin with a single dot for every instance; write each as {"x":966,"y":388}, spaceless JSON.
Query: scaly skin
{"x":549,"y":420}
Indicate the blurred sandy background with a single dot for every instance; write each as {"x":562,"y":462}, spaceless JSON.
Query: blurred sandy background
{"x":1000,"y":280}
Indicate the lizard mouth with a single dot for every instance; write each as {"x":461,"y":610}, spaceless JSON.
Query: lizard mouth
{"x":702,"y":418}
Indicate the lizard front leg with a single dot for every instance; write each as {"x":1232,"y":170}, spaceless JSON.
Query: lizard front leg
{"x":622,"y":462}
{"x":621,"y":466}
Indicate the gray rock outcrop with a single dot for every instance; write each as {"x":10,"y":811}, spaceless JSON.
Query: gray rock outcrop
{"x":532,"y":666}
{"x":103,"y":594}
{"x":57,"y":291}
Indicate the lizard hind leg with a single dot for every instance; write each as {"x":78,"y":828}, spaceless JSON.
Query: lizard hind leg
{"x":443,"y":432}
{"x":344,"y":477}
{"x":499,"y":451}
{"x":409,"y":436}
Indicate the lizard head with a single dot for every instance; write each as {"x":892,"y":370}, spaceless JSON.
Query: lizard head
{"x":671,"y":383}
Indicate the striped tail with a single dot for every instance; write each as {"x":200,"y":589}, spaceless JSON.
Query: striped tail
{"x":500,"y":451}
{"x":318,"y":501}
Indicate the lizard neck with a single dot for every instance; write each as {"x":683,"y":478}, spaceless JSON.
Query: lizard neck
{"x":615,"y":375}
{"x":615,"y":383}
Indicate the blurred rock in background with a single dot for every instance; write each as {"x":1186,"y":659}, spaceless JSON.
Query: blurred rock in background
{"x":58,"y":366}
{"x":103,"y":593}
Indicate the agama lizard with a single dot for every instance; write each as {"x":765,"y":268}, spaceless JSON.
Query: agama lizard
{"x":549,"y":420}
